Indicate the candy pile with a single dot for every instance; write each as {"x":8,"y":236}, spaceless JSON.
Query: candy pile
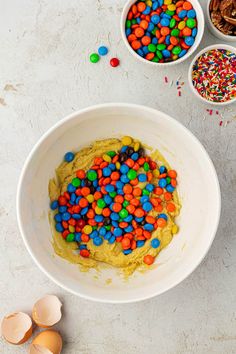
{"x":161,"y":30}
{"x":121,"y":198}
{"x":102,"y":51}
{"x":214,"y":75}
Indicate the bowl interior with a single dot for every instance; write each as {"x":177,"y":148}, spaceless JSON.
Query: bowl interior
{"x":201,"y":25}
{"x":198,"y":189}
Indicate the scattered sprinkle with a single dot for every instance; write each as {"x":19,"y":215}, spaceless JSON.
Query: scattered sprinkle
{"x":178,"y":84}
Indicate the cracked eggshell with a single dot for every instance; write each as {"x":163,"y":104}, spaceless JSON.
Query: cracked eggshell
{"x":47,"y":311}
{"x":47,"y":342}
{"x":17,"y":327}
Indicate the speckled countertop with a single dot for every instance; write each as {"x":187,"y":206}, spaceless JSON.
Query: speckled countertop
{"x":45,"y":75}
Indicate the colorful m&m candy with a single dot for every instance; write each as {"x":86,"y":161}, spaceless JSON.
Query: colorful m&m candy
{"x":161,"y":30}
{"x":122,"y":198}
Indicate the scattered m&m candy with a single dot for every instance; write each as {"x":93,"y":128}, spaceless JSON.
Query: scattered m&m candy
{"x":94,"y":58}
{"x":102,"y":50}
{"x":114,"y":62}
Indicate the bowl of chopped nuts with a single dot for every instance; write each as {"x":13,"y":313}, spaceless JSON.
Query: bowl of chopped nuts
{"x":221,"y":16}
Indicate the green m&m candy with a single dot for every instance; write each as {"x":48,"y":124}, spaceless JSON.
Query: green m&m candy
{"x":154,"y":31}
{"x":146,"y":166}
{"x":159,"y":54}
{"x":128,"y":24}
{"x":111,"y":153}
{"x":155,"y":59}
{"x":92,"y":175}
{"x":125,"y":204}
{"x":172,"y":23}
{"x":112,"y":194}
{"x":191,"y":23}
{"x":175,"y":32}
{"x":170,"y":13}
{"x":94,"y":58}
{"x":101,"y":203}
{"x":152,"y":48}
{"x":161,"y":46}
{"x":70,"y":238}
{"x":132,"y":174}
{"x":145,"y":192}
{"x":168,"y":180}
{"x":176,"y":50}
{"x":123,"y":213}
{"x":76,"y":182}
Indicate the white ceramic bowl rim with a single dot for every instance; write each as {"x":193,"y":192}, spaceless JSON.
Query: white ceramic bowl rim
{"x":174,"y":122}
{"x":204,"y":50}
{"x":198,"y":38}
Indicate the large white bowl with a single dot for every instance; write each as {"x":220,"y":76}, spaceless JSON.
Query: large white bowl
{"x":198,"y":188}
{"x":201,"y":25}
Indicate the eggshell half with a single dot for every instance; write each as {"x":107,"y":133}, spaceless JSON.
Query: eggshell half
{"x":17,"y":327}
{"x":47,"y":342}
{"x":47,"y":311}
{"x":38,"y":349}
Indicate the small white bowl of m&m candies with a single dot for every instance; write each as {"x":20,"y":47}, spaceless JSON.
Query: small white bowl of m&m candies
{"x":212,"y":75}
{"x":162,"y":32}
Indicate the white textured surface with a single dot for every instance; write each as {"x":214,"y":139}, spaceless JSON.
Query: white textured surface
{"x":44,"y":55}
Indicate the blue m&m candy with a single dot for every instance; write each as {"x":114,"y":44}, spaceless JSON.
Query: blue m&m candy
{"x":69,"y":156}
{"x":97,"y":241}
{"x":54,"y":205}
{"x":155,"y":19}
{"x":162,"y":183}
{"x":189,"y":40}
{"x":102,"y":50}
{"x":155,"y":243}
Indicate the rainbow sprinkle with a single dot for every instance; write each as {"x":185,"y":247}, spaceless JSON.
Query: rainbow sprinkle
{"x":214,"y":75}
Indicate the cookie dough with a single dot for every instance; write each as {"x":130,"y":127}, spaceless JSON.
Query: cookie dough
{"x":106,"y":253}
